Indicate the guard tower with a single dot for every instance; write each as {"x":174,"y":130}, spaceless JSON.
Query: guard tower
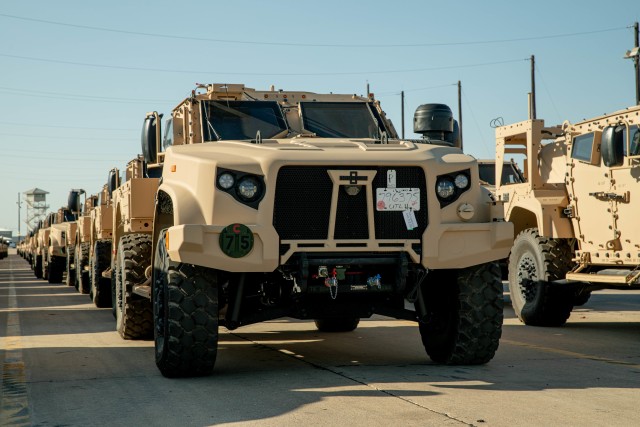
{"x":36,"y":200}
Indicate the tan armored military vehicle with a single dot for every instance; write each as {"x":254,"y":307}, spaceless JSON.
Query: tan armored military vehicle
{"x":26,"y":252}
{"x":4,"y":248}
{"x":308,"y":205}
{"x":56,"y":256}
{"x":133,"y":208}
{"x":83,"y":245}
{"x":32,"y":245}
{"x":74,"y":205}
{"x":575,"y":217}
{"x":41,"y":250}
{"x":100,"y":245}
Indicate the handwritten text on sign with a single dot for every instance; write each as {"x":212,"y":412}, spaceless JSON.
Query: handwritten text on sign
{"x":397,"y":199}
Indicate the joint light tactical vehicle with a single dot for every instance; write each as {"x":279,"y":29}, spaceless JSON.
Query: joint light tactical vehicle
{"x":282,"y":203}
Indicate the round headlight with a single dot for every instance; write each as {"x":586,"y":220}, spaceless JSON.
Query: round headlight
{"x":445,"y":188}
{"x":248,"y":188}
{"x":226,"y":180}
{"x":461,"y":181}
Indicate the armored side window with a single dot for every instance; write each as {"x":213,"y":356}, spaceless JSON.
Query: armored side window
{"x":582,"y":147}
{"x":167,"y":141}
{"x":634,"y":141}
{"x":586,"y":148}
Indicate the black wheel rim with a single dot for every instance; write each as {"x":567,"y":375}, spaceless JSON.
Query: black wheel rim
{"x":527,"y":275}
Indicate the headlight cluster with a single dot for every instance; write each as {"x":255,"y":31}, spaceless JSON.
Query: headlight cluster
{"x":245,"y":188}
{"x":449,"y":187}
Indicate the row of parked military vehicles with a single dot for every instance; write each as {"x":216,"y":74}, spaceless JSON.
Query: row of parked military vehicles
{"x":258,"y":205}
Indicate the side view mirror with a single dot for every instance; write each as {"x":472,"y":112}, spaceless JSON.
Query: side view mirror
{"x":151,"y":137}
{"x":113,"y":181}
{"x":612,"y":146}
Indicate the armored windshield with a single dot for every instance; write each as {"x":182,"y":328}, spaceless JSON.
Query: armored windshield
{"x":228,"y":120}
{"x":340,"y":119}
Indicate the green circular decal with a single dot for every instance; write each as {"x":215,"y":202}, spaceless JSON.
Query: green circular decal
{"x":236,"y":240}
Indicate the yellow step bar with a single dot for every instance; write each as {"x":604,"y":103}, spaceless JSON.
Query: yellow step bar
{"x":602,"y":277}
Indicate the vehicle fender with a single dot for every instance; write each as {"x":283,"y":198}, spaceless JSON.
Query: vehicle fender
{"x":548,"y":219}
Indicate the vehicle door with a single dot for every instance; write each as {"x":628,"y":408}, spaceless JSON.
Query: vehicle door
{"x":625,"y":189}
{"x":588,"y":185}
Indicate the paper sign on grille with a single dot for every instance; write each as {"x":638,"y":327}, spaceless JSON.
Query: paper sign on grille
{"x":397,"y":199}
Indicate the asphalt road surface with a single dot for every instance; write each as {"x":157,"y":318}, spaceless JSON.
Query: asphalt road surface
{"x":62,"y":364}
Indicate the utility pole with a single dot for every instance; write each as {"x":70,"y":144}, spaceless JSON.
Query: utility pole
{"x":19,"y":205}
{"x":402,"y":111}
{"x":636,"y":46}
{"x":634,"y":54}
{"x":533,"y":87}
{"x":460,"y":111}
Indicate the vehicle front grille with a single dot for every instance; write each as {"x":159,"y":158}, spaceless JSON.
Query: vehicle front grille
{"x":391,"y":225}
{"x":303,"y":205}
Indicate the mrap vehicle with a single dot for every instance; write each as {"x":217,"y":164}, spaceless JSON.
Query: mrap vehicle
{"x":575,"y":217}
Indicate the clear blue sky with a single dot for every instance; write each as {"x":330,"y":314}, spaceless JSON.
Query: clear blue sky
{"x":77,"y":77}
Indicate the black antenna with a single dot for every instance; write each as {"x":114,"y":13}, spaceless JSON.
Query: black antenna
{"x":460,"y":111}
{"x":533,"y":87}
{"x":402,"y":111}
{"x":634,"y":54}
{"x":636,"y":45}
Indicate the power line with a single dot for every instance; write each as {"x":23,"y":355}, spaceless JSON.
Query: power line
{"x":415,"y":90}
{"x":241,"y":73}
{"x":264,"y":43}
{"x":59,"y":159}
{"x":111,"y":138}
{"x":546,"y":88}
{"x":75,"y":97}
{"x":63,"y":127}
{"x":475,"y":121}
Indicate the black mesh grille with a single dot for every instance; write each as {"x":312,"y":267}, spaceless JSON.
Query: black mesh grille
{"x":390,"y":224}
{"x":303,"y":204}
{"x":351,"y":218}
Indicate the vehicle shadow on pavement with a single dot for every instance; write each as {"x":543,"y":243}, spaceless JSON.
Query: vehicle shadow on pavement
{"x":78,"y":370}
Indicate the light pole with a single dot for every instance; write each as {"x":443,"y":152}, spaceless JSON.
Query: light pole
{"x":19,"y":205}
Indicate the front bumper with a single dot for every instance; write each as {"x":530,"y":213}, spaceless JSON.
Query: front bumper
{"x":457,"y":245}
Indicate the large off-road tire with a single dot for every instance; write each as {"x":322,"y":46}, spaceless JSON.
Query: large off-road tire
{"x":134,"y":315}
{"x":342,"y":324}
{"x":37,"y":266}
{"x":70,"y":277}
{"x":56,"y":269}
{"x":100,"y":292}
{"x":45,"y":266}
{"x":83,"y":281}
{"x":113,"y":291}
{"x":535,"y":261}
{"x":464,"y":321}
{"x":185,"y":316}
